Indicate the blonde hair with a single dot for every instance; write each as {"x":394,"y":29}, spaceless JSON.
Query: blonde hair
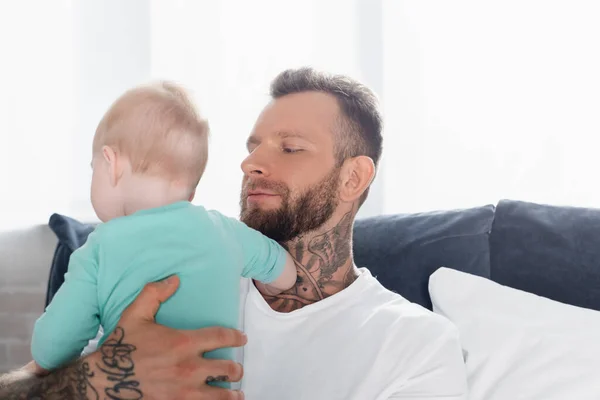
{"x":158,"y":128}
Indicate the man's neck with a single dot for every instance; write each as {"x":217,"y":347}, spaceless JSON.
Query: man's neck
{"x":324,"y":263}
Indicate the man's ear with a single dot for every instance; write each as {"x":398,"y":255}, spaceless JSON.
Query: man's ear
{"x":357,"y":174}
{"x":114,"y":165}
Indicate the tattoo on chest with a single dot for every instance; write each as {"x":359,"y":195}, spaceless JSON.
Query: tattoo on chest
{"x":317,"y":260}
{"x":118,"y":365}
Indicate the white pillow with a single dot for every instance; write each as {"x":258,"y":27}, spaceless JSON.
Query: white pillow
{"x":518,"y":345}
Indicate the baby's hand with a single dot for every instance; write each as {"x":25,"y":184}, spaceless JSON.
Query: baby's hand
{"x":266,"y":289}
{"x":33,"y":368}
{"x":284,"y":282}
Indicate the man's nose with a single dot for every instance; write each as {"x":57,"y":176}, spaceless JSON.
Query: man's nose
{"x":255,"y":164}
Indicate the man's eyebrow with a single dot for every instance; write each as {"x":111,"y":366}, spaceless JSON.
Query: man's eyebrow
{"x":292,"y":134}
{"x":252,"y":140}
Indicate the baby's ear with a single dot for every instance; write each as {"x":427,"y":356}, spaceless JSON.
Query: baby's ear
{"x":113,"y":164}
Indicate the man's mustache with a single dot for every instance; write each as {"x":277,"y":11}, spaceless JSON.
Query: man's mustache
{"x":264,"y":184}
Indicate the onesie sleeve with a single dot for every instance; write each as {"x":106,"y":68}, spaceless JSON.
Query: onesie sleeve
{"x":264,"y":258}
{"x":72,"y":318}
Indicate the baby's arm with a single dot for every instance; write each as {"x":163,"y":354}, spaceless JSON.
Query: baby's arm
{"x":265,"y":261}
{"x":71,"y":319}
{"x":285,"y":281}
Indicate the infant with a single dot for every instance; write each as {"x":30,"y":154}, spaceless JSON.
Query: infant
{"x":149,"y":153}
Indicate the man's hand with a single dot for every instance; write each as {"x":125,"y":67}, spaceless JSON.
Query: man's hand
{"x":142,"y":359}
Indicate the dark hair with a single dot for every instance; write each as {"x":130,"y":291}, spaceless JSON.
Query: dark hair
{"x":360,"y":122}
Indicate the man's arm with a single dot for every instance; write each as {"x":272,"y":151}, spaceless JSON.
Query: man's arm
{"x":76,"y":381}
{"x":140,"y":359}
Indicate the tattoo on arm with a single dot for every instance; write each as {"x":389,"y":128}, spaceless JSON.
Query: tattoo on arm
{"x":118,"y":366}
{"x":74,"y":382}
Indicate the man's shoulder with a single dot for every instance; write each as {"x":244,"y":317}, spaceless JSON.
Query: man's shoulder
{"x":421,"y":350}
{"x":401,"y":314}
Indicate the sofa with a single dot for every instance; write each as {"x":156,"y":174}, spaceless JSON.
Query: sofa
{"x":544,"y":251}
{"x":520,"y":281}
{"x":549,"y":251}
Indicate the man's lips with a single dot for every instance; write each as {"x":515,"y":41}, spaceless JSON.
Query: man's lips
{"x":260,"y":192}
{"x":259,"y":195}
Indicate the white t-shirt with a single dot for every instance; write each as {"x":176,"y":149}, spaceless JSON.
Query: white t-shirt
{"x":363,"y":343}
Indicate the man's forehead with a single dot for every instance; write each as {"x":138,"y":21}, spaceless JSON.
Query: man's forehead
{"x":299,"y":114}
{"x":310,"y":102}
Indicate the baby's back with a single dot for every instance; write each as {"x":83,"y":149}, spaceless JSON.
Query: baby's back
{"x":208,"y":251}
{"x":180,"y":239}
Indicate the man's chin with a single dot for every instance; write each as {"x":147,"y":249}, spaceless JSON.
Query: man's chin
{"x":259,"y":208}
{"x":254,"y":215}
{"x":264,"y":221}
{"x":266,"y":203}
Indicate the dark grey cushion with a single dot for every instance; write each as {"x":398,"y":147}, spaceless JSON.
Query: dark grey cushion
{"x":71,"y":235}
{"x":549,"y":251}
{"x":404,"y":250}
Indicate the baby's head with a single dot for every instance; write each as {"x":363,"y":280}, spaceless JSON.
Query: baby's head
{"x":150,"y":146}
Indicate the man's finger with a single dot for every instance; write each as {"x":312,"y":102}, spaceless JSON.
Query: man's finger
{"x":217,"y":337}
{"x":146,"y":305}
{"x":220,"y":371}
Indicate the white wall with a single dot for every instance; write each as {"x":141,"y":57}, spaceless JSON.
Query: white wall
{"x":35,"y":110}
{"x":491,"y":100}
{"x":66,"y":64}
{"x":237,"y":49}
{"x":482,"y":100}
{"x":111,"y":53}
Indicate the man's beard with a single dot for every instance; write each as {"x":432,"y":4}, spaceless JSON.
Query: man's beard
{"x":296,"y":215}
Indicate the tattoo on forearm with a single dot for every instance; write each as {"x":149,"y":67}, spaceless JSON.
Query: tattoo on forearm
{"x":118,"y":365}
{"x":85,"y":390}
{"x":318,"y":262}
{"x":72,"y":382}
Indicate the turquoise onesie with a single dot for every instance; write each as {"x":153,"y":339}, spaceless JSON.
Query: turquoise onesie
{"x":208,"y":251}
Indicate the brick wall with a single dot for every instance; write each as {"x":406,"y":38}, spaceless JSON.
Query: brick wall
{"x":25,"y":258}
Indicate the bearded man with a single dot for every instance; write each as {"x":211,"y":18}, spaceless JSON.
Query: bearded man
{"x":338,"y":333}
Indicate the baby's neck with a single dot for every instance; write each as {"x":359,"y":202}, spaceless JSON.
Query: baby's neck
{"x":145,"y":192}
